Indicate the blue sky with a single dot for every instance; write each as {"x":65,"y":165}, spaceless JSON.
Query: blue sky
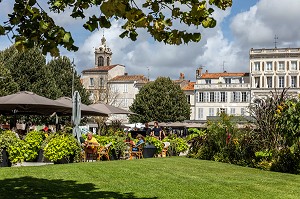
{"x":247,"y":24}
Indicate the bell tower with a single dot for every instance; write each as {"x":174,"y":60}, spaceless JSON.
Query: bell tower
{"x":103,"y":54}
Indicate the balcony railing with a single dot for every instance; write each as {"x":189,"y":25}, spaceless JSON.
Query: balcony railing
{"x":222,"y":85}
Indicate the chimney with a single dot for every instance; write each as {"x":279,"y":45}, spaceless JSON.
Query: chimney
{"x":181,"y":76}
{"x":199,"y":72}
{"x":206,"y":71}
{"x":125,"y":74}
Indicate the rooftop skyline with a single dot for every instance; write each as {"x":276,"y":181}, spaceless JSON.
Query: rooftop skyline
{"x":247,"y":24}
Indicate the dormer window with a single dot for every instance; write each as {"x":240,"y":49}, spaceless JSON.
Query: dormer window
{"x":100,"y":61}
{"x":227,"y":80}
{"x":208,"y":81}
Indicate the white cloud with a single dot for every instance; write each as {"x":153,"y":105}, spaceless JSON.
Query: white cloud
{"x":161,"y":59}
{"x":257,"y":27}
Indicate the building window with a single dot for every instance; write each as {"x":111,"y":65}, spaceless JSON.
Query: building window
{"x":125,"y":102}
{"x":108,"y":61}
{"x":269,"y":66}
{"x":212,"y":97}
{"x":223,"y":97}
{"x":293,"y":81}
{"x":293,"y":65}
{"x":101,"y":82}
{"x":188,"y":98}
{"x":208,"y":81}
{"x":114,"y":88}
{"x":217,"y":96}
{"x":200,"y":97}
{"x":281,"y":65}
{"x":244,"y":97}
{"x":222,"y":110}
{"x":257,"y":82}
{"x":200,"y":113}
{"x":232,"y":111}
{"x":242,"y":111}
{"x":269,"y":82}
{"x":211,"y":112}
{"x":205,"y":97}
{"x":281,"y":81}
{"x":92,"y":81}
{"x":235,"y":97}
{"x":256,"y":66}
{"x":227,"y":80}
{"x":100,"y":61}
{"x":125,"y":88}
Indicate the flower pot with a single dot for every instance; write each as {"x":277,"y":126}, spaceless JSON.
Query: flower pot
{"x":41,"y":157}
{"x":149,"y":151}
{"x":5,"y":161}
{"x":65,"y":160}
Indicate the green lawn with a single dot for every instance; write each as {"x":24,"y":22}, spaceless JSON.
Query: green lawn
{"x":175,"y":177}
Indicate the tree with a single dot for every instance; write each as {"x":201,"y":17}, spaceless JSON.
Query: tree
{"x":62,"y":69}
{"x":30,"y":72}
{"x":161,"y":100}
{"x":7,"y":82}
{"x":31,"y":25}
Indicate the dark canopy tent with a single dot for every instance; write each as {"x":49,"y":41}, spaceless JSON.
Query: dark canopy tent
{"x":85,"y":110}
{"x":25,"y":102}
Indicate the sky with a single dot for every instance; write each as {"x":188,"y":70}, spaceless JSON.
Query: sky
{"x":247,"y":24}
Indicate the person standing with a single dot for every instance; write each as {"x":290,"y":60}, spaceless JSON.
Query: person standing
{"x":147,"y":129}
{"x":156,"y":131}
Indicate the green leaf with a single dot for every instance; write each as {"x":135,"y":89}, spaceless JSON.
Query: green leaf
{"x":67,"y":37}
{"x":2,"y":30}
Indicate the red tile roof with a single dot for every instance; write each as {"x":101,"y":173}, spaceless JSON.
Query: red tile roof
{"x":189,"y":87}
{"x":140,"y":78}
{"x":217,"y":75}
{"x":101,"y":68}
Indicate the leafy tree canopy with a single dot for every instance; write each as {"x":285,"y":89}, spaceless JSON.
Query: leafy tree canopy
{"x":31,"y":24}
{"x":28,"y":71}
{"x":8,"y":85}
{"x":161,"y":100}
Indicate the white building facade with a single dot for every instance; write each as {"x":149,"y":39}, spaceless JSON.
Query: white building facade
{"x":220,"y":92}
{"x":274,"y":69}
{"x":110,"y":83}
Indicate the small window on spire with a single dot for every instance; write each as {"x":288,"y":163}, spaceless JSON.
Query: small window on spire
{"x":107,"y":61}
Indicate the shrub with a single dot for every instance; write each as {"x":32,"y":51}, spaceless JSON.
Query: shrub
{"x":7,"y":138}
{"x":34,"y":140}
{"x":61,"y":146}
{"x":286,"y":161}
{"x":18,"y":151}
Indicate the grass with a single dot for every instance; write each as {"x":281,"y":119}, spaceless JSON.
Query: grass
{"x":175,"y":177}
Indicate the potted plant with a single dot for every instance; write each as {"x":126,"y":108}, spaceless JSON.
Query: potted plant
{"x":7,"y":138}
{"x":118,"y":147}
{"x":177,"y":145}
{"x":62,"y":148}
{"x":153,"y":146}
{"x":34,"y":140}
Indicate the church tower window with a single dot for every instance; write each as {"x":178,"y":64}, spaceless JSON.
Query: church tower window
{"x":108,"y":61}
{"x":100,"y":61}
